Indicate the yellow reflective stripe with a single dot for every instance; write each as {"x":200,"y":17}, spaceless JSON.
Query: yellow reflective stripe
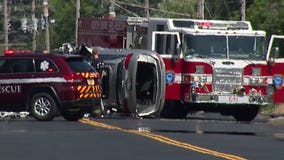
{"x":90,"y":95}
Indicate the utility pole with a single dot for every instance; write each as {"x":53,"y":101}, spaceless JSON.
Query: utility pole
{"x":272,"y":5}
{"x":242,"y":10}
{"x":34,"y":25}
{"x":200,"y":9}
{"x":146,"y":8}
{"x":112,"y":9}
{"x":78,"y":6}
{"x":47,"y":40}
{"x":6,"y":27}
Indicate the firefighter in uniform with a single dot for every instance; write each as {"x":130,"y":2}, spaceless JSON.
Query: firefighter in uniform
{"x":98,"y":64}
{"x":96,"y":61}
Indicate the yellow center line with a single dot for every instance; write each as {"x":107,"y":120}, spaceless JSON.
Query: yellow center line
{"x":164,"y":139}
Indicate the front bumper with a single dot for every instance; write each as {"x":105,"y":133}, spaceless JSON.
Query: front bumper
{"x":230,"y":99}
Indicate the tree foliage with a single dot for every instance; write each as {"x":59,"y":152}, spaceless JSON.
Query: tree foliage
{"x":184,"y":7}
{"x":64,"y":13}
{"x":263,"y":14}
{"x":267,"y":15}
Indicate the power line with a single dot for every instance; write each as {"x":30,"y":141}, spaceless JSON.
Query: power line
{"x":114,"y":2}
{"x":227,"y":8}
{"x":207,"y":6}
{"x":153,"y":9}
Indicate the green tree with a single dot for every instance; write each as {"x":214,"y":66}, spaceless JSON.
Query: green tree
{"x":263,"y":14}
{"x":221,"y":9}
{"x":177,"y":8}
{"x":267,"y":15}
{"x":64,"y":14}
{"x":94,"y":8}
{"x":63,"y":30}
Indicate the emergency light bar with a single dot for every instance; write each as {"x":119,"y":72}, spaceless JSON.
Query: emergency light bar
{"x":211,"y":24}
{"x":136,"y":20}
{"x":12,"y":52}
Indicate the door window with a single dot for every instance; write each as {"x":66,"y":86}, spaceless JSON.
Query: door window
{"x":24,"y":65}
{"x":166,"y":42}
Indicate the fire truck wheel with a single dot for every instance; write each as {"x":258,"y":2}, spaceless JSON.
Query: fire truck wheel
{"x":246,"y":113}
{"x":43,"y":106}
{"x":72,"y":115}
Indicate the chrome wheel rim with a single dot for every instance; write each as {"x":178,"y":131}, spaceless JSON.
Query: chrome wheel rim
{"x":42,"y":106}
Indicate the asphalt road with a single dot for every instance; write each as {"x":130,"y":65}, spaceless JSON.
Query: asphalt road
{"x":200,"y":137}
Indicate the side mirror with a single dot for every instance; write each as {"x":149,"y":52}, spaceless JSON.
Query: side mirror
{"x":275,"y":52}
{"x":176,"y":53}
{"x":273,"y":56}
{"x":178,"y":49}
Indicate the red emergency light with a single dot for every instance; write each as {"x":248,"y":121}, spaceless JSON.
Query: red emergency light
{"x":204,"y":24}
{"x":22,"y":51}
{"x":12,"y":52}
{"x":9,"y":52}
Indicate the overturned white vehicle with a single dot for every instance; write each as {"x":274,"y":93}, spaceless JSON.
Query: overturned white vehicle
{"x":134,"y":81}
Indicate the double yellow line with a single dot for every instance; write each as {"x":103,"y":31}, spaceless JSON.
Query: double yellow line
{"x":164,"y":139}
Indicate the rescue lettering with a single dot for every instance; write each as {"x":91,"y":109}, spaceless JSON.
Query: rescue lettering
{"x":10,"y":89}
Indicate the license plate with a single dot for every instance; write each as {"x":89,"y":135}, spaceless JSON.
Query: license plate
{"x":91,"y":82}
{"x":233,"y":99}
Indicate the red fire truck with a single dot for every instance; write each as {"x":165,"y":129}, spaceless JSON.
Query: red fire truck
{"x":211,"y":65}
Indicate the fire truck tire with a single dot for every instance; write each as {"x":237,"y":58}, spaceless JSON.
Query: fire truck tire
{"x":72,"y":115}
{"x":174,"y":110}
{"x":246,"y":113}
{"x":43,"y":106}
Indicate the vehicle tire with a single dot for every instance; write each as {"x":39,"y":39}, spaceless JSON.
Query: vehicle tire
{"x":72,"y":115}
{"x":43,"y":106}
{"x":174,"y":110}
{"x":246,"y":113}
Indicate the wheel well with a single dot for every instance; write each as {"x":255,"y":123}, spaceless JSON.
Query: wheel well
{"x":46,"y":89}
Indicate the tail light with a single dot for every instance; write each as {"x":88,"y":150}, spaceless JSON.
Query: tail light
{"x":74,"y":78}
{"x":127,"y":60}
{"x":95,"y":75}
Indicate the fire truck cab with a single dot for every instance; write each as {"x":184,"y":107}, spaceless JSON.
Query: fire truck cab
{"x":211,"y":65}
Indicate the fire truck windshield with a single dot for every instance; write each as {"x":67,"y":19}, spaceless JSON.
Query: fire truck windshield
{"x":224,"y":46}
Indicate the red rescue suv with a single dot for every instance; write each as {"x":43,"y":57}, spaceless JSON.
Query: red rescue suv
{"x":48,"y":84}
